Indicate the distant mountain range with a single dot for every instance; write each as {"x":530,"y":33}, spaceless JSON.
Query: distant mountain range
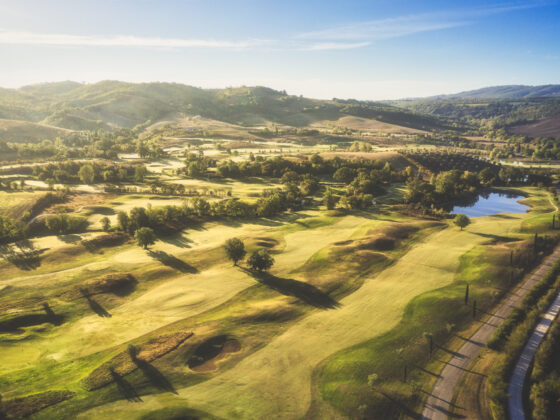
{"x":47,"y":110}
{"x":506,"y":92}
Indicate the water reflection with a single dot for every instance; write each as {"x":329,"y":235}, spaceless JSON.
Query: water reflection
{"x":490,"y":203}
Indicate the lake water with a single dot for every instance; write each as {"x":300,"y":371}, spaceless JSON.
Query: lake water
{"x":492,"y":203}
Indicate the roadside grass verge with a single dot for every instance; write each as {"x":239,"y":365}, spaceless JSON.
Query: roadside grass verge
{"x":536,"y":301}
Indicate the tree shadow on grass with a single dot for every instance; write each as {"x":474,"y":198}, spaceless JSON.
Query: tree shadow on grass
{"x":409,"y":412}
{"x":70,"y":238}
{"x":477,"y":343}
{"x":301,"y":290}
{"x":97,"y":308}
{"x":179,"y":241}
{"x":153,"y":375}
{"x":125,"y":388}
{"x":497,"y":238}
{"x":27,"y":258}
{"x":173,"y":262}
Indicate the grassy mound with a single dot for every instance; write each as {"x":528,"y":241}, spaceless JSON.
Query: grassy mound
{"x":177,"y":413}
{"x":14,"y":323}
{"x":119,"y":284}
{"x":266,"y":242}
{"x":212,"y":350}
{"x":123,"y":364}
{"x":18,"y":408}
{"x":106,"y":240}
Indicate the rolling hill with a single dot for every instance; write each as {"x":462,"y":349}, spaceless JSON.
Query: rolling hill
{"x":507,"y":92}
{"x":27,"y":132}
{"x":114,"y":104}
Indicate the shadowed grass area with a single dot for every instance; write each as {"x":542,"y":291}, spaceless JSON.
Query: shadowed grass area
{"x":305,"y":292}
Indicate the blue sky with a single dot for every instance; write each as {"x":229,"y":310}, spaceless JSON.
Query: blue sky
{"x":377,"y":49}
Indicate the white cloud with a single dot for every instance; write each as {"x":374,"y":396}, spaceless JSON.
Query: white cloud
{"x":408,"y":24}
{"x":29,"y":38}
{"x":322,"y":46}
{"x":351,"y":36}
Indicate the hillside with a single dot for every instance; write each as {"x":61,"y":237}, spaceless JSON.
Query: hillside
{"x":113,"y":104}
{"x":27,"y":132}
{"x":549,"y":127}
{"x":507,"y":92}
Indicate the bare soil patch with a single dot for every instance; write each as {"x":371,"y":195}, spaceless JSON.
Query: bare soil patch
{"x":545,"y":128}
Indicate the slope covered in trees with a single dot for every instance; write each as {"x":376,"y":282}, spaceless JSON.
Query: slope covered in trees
{"x":119,"y":104}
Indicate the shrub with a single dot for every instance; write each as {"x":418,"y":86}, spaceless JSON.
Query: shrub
{"x":260,"y":260}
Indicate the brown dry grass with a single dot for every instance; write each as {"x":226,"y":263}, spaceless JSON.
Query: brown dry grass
{"x":76,"y":201}
{"x":111,"y":283}
{"x":122,"y":363}
{"x":396,"y":160}
{"x":545,"y":128}
{"x":18,"y":408}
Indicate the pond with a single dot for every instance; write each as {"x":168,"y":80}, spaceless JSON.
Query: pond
{"x":488,"y":204}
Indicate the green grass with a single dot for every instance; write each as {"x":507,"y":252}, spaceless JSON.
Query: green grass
{"x":16,"y":204}
{"x":342,"y":379}
{"x":285,"y":332}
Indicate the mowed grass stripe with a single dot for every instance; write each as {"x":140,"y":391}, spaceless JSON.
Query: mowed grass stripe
{"x":275,"y":382}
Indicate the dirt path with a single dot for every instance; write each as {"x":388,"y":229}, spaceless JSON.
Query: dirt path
{"x":439,"y":403}
{"x":515,"y":388}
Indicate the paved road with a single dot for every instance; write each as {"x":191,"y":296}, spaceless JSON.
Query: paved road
{"x":515,"y":388}
{"x":439,"y":403}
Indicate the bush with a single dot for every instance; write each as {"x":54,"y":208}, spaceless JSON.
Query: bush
{"x":145,"y":236}
{"x":235,"y":249}
{"x":260,"y":260}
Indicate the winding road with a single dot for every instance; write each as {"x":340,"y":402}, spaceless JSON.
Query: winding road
{"x":439,"y":403}
{"x":515,"y":388}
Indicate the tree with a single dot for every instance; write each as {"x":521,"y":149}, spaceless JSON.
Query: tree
{"x":344,"y":174}
{"x":145,"y":236}
{"x":57,"y":223}
{"x":260,"y":260}
{"x":140,"y":173}
{"x":329,"y":199}
{"x":235,"y":249}
{"x":86,"y":174}
{"x":124,"y":221}
{"x":105,"y":224}
{"x":462,"y":221}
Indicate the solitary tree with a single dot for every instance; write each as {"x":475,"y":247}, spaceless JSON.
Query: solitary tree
{"x":145,"y":236}
{"x":86,"y":174}
{"x":105,"y":224}
{"x":235,"y":249}
{"x":329,"y":199}
{"x":462,"y":221}
{"x":260,"y":260}
{"x":133,"y":351}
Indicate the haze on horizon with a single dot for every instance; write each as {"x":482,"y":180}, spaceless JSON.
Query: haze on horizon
{"x":352,"y":49}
